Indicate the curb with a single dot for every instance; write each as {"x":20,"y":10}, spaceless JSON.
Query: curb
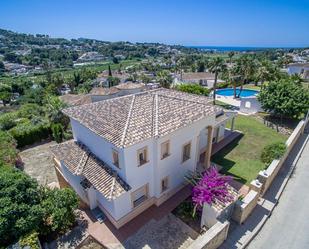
{"x":284,"y":183}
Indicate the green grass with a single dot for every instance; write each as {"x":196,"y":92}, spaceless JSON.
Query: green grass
{"x":241,"y":158}
{"x":252,"y":87}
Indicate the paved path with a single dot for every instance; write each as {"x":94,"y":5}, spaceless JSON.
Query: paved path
{"x":240,"y":234}
{"x":288,"y":226}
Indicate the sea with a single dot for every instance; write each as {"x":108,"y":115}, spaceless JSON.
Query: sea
{"x":237,"y":49}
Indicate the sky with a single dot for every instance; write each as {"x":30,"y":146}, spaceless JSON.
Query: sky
{"x":254,"y":23}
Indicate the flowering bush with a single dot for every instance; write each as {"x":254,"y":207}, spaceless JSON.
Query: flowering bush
{"x":212,"y":186}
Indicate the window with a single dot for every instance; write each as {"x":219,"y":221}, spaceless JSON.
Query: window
{"x":139,"y":196}
{"x":115,"y":158}
{"x":165,"y":149}
{"x":164,"y":184}
{"x":186,"y":151}
{"x":142,"y":156}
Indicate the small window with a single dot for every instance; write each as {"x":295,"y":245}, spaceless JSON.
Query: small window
{"x":186,"y":152}
{"x":165,"y":149}
{"x":115,"y":158}
{"x":164,"y":184}
{"x":142,"y":156}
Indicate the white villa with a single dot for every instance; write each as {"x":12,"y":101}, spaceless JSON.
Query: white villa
{"x":299,"y":68}
{"x":132,"y":152}
{"x":202,"y":78}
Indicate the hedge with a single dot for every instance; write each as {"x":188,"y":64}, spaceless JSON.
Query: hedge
{"x":26,"y":134}
{"x":272,"y":151}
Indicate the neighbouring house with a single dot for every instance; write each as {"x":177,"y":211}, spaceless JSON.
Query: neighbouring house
{"x":299,"y":68}
{"x":201,"y":78}
{"x":76,"y":99}
{"x":132,"y":152}
{"x":101,"y":80}
{"x":103,"y":93}
{"x":91,"y":56}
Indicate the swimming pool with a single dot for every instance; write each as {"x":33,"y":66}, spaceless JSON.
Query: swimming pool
{"x":230,"y":92}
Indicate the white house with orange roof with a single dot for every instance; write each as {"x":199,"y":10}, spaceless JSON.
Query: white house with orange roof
{"x":132,"y":152}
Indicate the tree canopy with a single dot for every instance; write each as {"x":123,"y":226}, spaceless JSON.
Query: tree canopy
{"x":284,"y":98}
{"x":193,"y":88}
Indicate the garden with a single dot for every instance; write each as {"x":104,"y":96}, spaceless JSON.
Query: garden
{"x":242,"y":157}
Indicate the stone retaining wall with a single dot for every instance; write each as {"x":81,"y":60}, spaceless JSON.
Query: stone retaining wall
{"x":266,"y":177}
{"x":244,"y":207}
{"x":213,"y":237}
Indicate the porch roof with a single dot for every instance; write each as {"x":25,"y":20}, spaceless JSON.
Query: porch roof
{"x":80,"y":161}
{"x":224,"y":117}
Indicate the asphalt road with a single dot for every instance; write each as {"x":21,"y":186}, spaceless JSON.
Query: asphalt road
{"x":288,"y":226}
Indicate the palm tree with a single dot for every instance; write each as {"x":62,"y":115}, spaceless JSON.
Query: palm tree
{"x":245,"y":67}
{"x":165,"y":79}
{"x":231,"y":55}
{"x":216,"y":66}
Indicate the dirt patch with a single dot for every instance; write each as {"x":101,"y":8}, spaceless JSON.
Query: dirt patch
{"x":38,"y":163}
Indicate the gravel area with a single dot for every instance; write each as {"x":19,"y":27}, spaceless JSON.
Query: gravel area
{"x":38,"y":163}
{"x":168,"y":233}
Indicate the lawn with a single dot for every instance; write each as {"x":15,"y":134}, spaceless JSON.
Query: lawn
{"x":241,"y":158}
{"x":252,"y":87}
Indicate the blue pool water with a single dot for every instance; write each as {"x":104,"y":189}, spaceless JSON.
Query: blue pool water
{"x":230,"y":92}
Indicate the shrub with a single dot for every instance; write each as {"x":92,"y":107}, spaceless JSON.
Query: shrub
{"x":57,"y":132}
{"x":193,"y":88}
{"x":26,"y":134}
{"x":8,"y":120}
{"x":284,"y":98}
{"x":20,"y":211}
{"x":30,"y":240}
{"x":273,"y":151}
{"x":8,"y":151}
{"x":223,"y":85}
{"x":58,"y":208}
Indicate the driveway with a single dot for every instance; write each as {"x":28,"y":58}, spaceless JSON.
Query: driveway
{"x":38,"y":163}
{"x":288,"y":225}
{"x":167,"y":233}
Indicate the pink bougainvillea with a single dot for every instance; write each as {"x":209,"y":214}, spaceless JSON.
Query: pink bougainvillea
{"x":211,"y":187}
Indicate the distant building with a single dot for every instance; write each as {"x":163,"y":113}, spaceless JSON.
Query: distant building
{"x":301,"y":69}
{"x":91,"y":56}
{"x":103,"y":93}
{"x":201,"y":78}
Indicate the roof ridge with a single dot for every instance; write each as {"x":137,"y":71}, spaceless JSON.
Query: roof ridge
{"x":184,"y":100}
{"x":127,"y":122}
{"x":156,"y":106}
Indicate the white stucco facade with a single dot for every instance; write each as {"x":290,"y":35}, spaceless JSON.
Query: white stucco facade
{"x":151,"y":173}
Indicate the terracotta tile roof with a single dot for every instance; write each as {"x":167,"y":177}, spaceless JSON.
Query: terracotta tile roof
{"x":76,"y":99}
{"x":130,"y":119}
{"x":130,"y":85}
{"x":103,"y":91}
{"x":80,"y":161}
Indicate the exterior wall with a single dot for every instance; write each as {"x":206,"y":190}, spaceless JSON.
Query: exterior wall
{"x":98,"y":146}
{"x":265,"y":177}
{"x":297,"y":69}
{"x":243,"y":208}
{"x":150,"y":173}
{"x":172,"y":166}
{"x":75,"y":183}
{"x":255,"y":105}
{"x":213,"y":237}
